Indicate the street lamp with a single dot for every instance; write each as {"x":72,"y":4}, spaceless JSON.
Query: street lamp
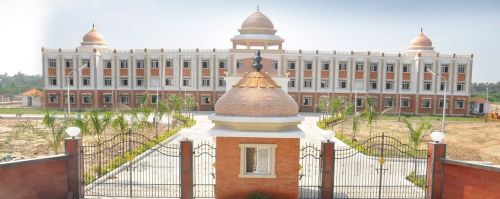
{"x":73,"y":131}
{"x":67,"y":82}
{"x":437,"y":136}
{"x":487,"y":103}
{"x":444,"y":97}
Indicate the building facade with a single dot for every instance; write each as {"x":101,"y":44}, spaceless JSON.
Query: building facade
{"x":411,"y":82}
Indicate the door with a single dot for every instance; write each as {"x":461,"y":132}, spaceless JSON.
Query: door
{"x":481,"y":108}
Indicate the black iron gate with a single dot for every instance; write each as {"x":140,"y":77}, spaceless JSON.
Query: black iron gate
{"x":381,"y":167}
{"x":131,"y":165}
{"x":309,"y":175}
{"x":204,"y":171}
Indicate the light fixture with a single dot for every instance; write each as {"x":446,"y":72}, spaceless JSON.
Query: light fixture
{"x":326,"y":135}
{"x":73,"y":131}
{"x":437,"y":136}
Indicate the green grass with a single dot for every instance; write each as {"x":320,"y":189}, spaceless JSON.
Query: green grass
{"x":419,"y":181}
{"x":436,"y":118}
{"x":29,"y":111}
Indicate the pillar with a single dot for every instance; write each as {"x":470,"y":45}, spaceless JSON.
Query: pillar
{"x":435,"y":170}
{"x":186,"y":164}
{"x":72,"y":147}
{"x":327,"y":170}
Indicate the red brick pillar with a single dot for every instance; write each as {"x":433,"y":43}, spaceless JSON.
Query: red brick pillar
{"x":327,"y":162}
{"x":72,"y":147}
{"x":186,"y":163}
{"x":435,"y":170}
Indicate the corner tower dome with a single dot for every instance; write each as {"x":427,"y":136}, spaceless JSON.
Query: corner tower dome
{"x":94,"y":39}
{"x":421,"y":42}
{"x":257,"y":31}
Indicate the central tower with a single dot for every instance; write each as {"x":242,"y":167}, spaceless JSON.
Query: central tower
{"x":257,"y":31}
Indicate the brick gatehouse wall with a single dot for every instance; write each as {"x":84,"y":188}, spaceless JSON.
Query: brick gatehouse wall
{"x":230,"y":185}
{"x":463,"y":180}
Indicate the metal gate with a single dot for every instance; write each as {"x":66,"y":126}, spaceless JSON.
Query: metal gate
{"x":204,"y":171}
{"x":309,"y":175}
{"x":131,"y":165}
{"x":381,"y":167}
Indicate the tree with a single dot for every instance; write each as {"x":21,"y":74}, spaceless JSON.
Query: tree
{"x":416,"y":133}
{"x":98,"y":123}
{"x":163,"y":108}
{"x":142,"y":114}
{"x":335,"y":105}
{"x":52,"y":130}
{"x":322,"y":107}
{"x":346,"y":111}
{"x":176,"y":102}
{"x":120,"y":124}
{"x":355,"y":124}
{"x":370,"y":114}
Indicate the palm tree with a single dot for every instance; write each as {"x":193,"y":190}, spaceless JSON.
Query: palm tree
{"x":335,"y":105}
{"x":142,"y":114}
{"x":53,"y":130}
{"x":120,"y":124}
{"x":355,"y":124}
{"x":321,"y":107}
{"x":163,"y":108}
{"x":370,"y":113}
{"x":416,"y":133}
{"x":176,"y":102}
{"x":346,"y":111}
{"x":97,"y":125}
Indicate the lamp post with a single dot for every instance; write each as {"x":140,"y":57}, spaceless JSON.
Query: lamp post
{"x":73,"y":131}
{"x":67,"y":82}
{"x":488,"y":105}
{"x":444,"y":98}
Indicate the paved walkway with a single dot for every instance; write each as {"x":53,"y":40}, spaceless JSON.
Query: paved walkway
{"x":356,"y":176}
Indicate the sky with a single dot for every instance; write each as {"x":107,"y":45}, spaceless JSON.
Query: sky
{"x":459,"y":26}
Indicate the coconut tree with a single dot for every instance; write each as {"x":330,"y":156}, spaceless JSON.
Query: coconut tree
{"x":119,"y":123}
{"x":176,"y":103}
{"x":321,"y":108}
{"x":163,"y":108}
{"x":52,"y":130}
{"x":355,"y":125}
{"x":347,"y":111}
{"x":415,"y":133}
{"x":335,"y":105}
{"x":97,"y":125}
{"x":370,"y":114}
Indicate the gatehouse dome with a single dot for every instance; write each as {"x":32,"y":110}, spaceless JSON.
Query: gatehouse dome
{"x":257,"y":30}
{"x":257,"y":23}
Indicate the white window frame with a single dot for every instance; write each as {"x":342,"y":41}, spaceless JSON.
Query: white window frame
{"x":405,"y":85}
{"x":344,"y":83}
{"x":309,"y":100}
{"x":104,"y":98}
{"x":222,"y":82}
{"x":123,"y":64}
{"x":342,"y":66}
{"x":407,"y":99}
{"x":324,"y":83}
{"x":86,"y":96}
{"x":122,"y":97}
{"x":168,"y":81}
{"x":359,"y":66}
{"x":372,"y":82}
{"x":373,"y":67}
{"x":291,"y":65}
{"x":53,"y":81}
{"x":205,"y":63}
{"x":204,"y":99}
{"x":54,"y":97}
{"x":52,"y":63}
{"x":307,"y":83}
{"x":406,"y":68}
{"x":89,"y":81}
{"x":457,"y":104}
{"x":205,"y":82}
{"x":461,"y":68}
{"x":139,"y":63}
{"x":325,"y":65}
{"x":222,"y":64}
{"x":389,"y":83}
{"x":184,"y":80}
{"x":424,"y":100}
{"x":169,"y":63}
{"x":155,"y":63}
{"x":291,"y":83}
{"x":308,"y":65}
{"x":271,"y":160}
{"x":122,"y":80}
{"x":107,"y":63}
{"x":108,"y":79}
{"x":389,"y":68}
{"x":425,"y":86}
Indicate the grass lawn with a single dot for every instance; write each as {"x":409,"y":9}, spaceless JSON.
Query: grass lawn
{"x":437,"y":118}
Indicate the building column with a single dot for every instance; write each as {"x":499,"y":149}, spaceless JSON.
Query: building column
{"x":327,"y":169}
{"x":72,"y":147}
{"x":435,"y":170}
{"x":186,"y":164}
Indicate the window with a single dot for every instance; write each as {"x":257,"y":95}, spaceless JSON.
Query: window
{"x":460,"y":86}
{"x":426,"y":103}
{"x":155,"y":63}
{"x":373,"y":67}
{"x":291,"y":65}
{"x":274,"y":64}
{"x":441,"y":103}
{"x":460,"y":104}
{"x":70,"y":79}
{"x":71,"y":99}
{"x":359,"y":66}
{"x":388,"y":102}
{"x":205,"y":82}
{"x":52,"y":63}
{"x":205,"y":99}
{"x":406,"y":68}
{"x":427,"y":86}
{"x":168,"y":81}
{"x":359,"y":102}
{"x":343,"y":83}
{"x":123,"y":64}
{"x":324,"y":83}
{"x":291,"y":83}
{"x":86,"y":99}
{"x":86,"y":81}
{"x":205,"y":63}
{"x":154,"y":99}
{"x":124,"y":99}
{"x":68,"y":63}
{"x":325,"y":65}
{"x":53,"y":81}
{"x":257,"y":160}
{"x":445,"y":68}
{"x":222,"y":82}
{"x":222,"y":63}
{"x":107,"y":63}
{"x":239,"y":63}
{"x":389,"y":85}
{"x":124,"y":81}
{"x":52,"y":98}
{"x":139,"y":63}
{"x":389,"y":68}
{"x":373,"y":84}
{"x":307,"y":83}
{"x":427,"y":68}
{"x":405,"y":102}
{"x":342,"y":65}
{"x":461,"y":68}
{"x":308,"y":65}
{"x":443,"y":84}
{"x":139,"y":81}
{"x":86,"y":63}
{"x":405,"y":85}
{"x":168,"y":63}
{"x":186,"y":82}
{"x":307,"y":101}
{"x":107,"y":99}
{"x":107,"y":81}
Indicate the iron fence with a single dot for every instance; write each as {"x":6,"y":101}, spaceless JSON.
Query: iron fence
{"x":204,"y":171}
{"x":310,"y":176}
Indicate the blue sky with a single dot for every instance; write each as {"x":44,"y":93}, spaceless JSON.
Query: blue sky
{"x":388,"y":26}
